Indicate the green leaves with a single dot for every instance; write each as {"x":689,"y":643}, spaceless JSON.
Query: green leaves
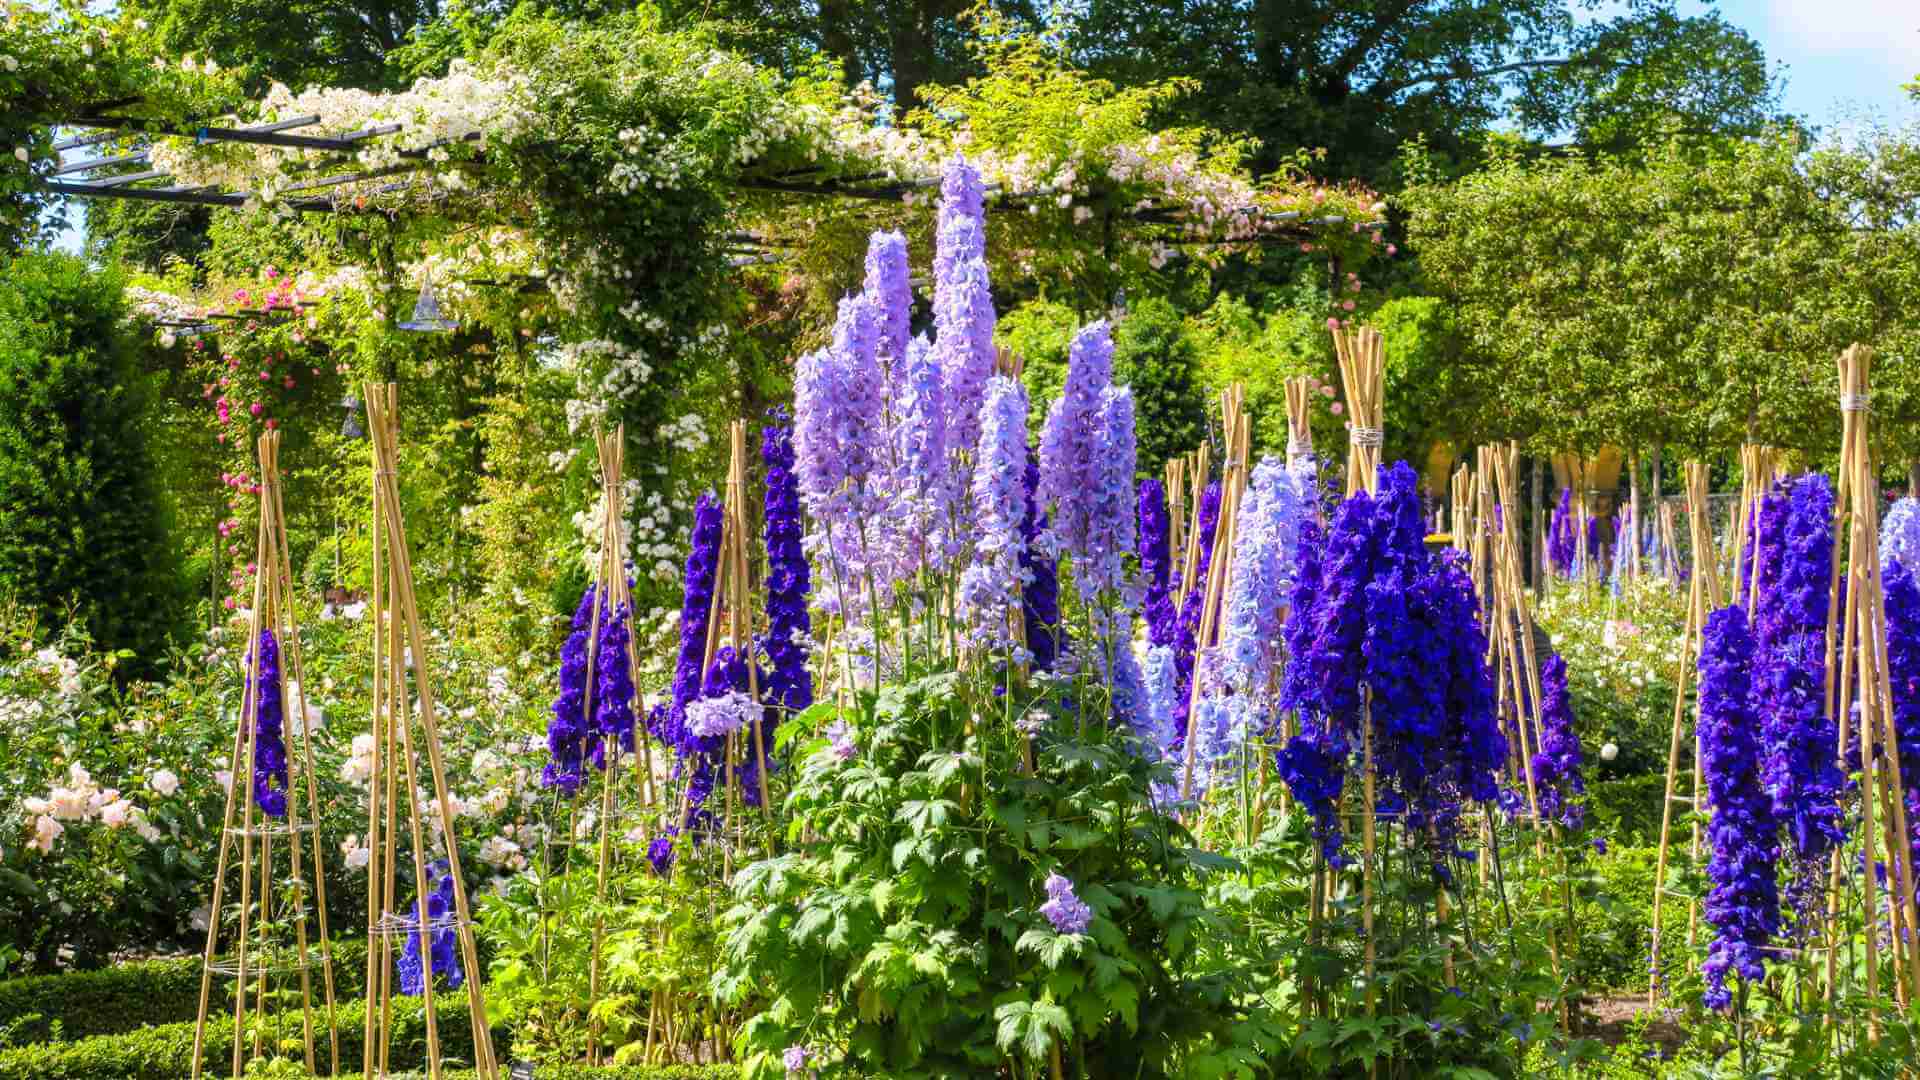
{"x":1030,"y":1028}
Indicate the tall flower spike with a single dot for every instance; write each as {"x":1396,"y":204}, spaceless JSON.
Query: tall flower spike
{"x":789,"y":582}
{"x":1743,"y":905}
{"x":887,"y":284}
{"x":1900,"y":534}
{"x":1070,"y":439}
{"x":613,"y":674}
{"x":1560,"y":550}
{"x":922,"y":482}
{"x":1556,"y":766}
{"x":1800,"y":771}
{"x":1156,"y":562}
{"x":990,"y":587}
{"x":567,"y":730}
{"x":964,"y":322}
{"x":696,"y":605}
{"x":270,"y":775}
{"x":442,"y":956}
{"x":1187,"y":629}
{"x":1266,"y":545}
{"x":1041,"y":572}
{"x":1903,"y":670}
{"x":960,"y":229}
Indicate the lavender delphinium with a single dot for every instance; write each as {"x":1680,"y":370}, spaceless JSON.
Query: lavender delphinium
{"x":922,"y":481}
{"x":442,"y":956}
{"x":992,"y":585}
{"x":1743,"y":905}
{"x":888,"y":284}
{"x":1040,"y":598}
{"x":1800,"y":772}
{"x":1071,"y":442}
{"x":1900,"y":534}
{"x":960,"y":227}
{"x":789,"y":583}
{"x":270,"y":776}
{"x":1065,"y":910}
{"x":964,"y":321}
{"x":1556,"y":765}
{"x":1156,"y":562}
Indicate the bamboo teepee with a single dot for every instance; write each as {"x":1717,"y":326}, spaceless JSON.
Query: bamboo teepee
{"x":403,"y":739}
{"x":262,"y":835}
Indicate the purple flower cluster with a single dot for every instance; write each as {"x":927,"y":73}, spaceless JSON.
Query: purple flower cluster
{"x":1187,"y":629}
{"x":1744,"y":904}
{"x":696,"y":606}
{"x":613,"y":674}
{"x":1373,"y":611}
{"x":838,"y":417}
{"x":1066,"y":911}
{"x":1560,"y":546}
{"x":270,"y":776}
{"x":963,"y":315}
{"x":1900,"y":533}
{"x":992,"y":585}
{"x":921,"y":489}
{"x":1040,"y":600}
{"x":888,"y":282}
{"x":568,"y":729}
{"x":1071,"y":444}
{"x":1903,"y":669}
{"x":789,"y":684}
{"x":1801,"y":772}
{"x":1556,"y":765}
{"x":443,"y":957}
{"x":1156,"y":562}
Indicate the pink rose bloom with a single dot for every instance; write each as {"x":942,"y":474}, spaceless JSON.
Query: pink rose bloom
{"x":1333,"y":323}
{"x":1336,"y":408}
{"x":1393,"y":249}
{"x":116,"y":813}
{"x":1326,"y":389}
{"x":45,"y":832}
{"x":272,"y":424}
{"x":1346,"y":305}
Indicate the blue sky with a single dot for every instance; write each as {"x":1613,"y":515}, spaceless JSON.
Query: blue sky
{"x":1843,"y":58}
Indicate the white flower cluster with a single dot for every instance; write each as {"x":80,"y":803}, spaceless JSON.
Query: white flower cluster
{"x":80,"y":800}
{"x":604,"y":372}
{"x":157,"y":304}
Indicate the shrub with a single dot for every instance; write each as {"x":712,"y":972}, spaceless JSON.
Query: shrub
{"x":1155,"y":355}
{"x":81,"y":530}
{"x":127,"y":997}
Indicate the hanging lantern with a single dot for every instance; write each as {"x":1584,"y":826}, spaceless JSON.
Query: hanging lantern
{"x":426,"y":313}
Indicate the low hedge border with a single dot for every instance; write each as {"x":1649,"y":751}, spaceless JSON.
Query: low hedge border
{"x":605,"y":1072}
{"x":165,"y":1052}
{"x":130,"y":997}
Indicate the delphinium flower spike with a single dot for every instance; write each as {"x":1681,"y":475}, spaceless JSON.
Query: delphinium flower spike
{"x":789,"y":581}
{"x":613,"y":674}
{"x":270,"y":776}
{"x":1560,"y":549}
{"x":887,"y":284}
{"x":1743,"y":905}
{"x":442,"y":956}
{"x":992,"y":584}
{"x":1156,"y":562}
{"x":1041,"y":572}
{"x":567,"y":729}
{"x":1556,"y":765}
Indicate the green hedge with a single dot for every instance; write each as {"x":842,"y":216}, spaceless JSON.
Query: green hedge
{"x":621,"y":1072}
{"x":134,"y":996}
{"x":165,"y":1052}
{"x":1630,"y":807}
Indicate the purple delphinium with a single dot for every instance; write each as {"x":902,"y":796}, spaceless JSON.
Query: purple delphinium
{"x":1266,"y":549}
{"x":1900,"y":533}
{"x":613,"y":709}
{"x":568,"y":729}
{"x":1065,"y":910}
{"x":1800,"y":772}
{"x":696,"y":605}
{"x":1744,"y":904}
{"x":1560,"y":535}
{"x":1556,"y":765}
{"x":1156,"y":562}
{"x":1187,"y":628}
{"x":660,"y":850}
{"x":963,"y":323}
{"x":789,"y":685}
{"x":1101,"y":566}
{"x":1071,"y":443}
{"x":887,"y":283}
{"x":960,"y":227}
{"x":795,"y":1058}
{"x":442,"y":957}
{"x":1903,"y":670}
{"x":1040,"y":599}
{"x":270,"y":775}
{"x":921,"y":486}
{"x":992,"y":584}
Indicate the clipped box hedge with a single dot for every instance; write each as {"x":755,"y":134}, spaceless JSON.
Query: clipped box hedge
{"x":165,"y":1052}
{"x":606,"y":1072}
{"x":143,"y":994}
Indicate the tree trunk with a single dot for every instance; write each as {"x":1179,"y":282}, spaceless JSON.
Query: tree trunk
{"x":1913,"y":477}
{"x":910,"y":47}
{"x":837,"y":41}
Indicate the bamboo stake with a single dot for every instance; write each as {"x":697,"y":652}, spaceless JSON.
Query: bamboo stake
{"x":1232,"y":488}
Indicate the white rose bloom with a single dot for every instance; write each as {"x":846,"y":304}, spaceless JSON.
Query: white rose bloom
{"x":164,"y":782}
{"x":1609,"y":752}
{"x":116,"y":813}
{"x":45,"y":832}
